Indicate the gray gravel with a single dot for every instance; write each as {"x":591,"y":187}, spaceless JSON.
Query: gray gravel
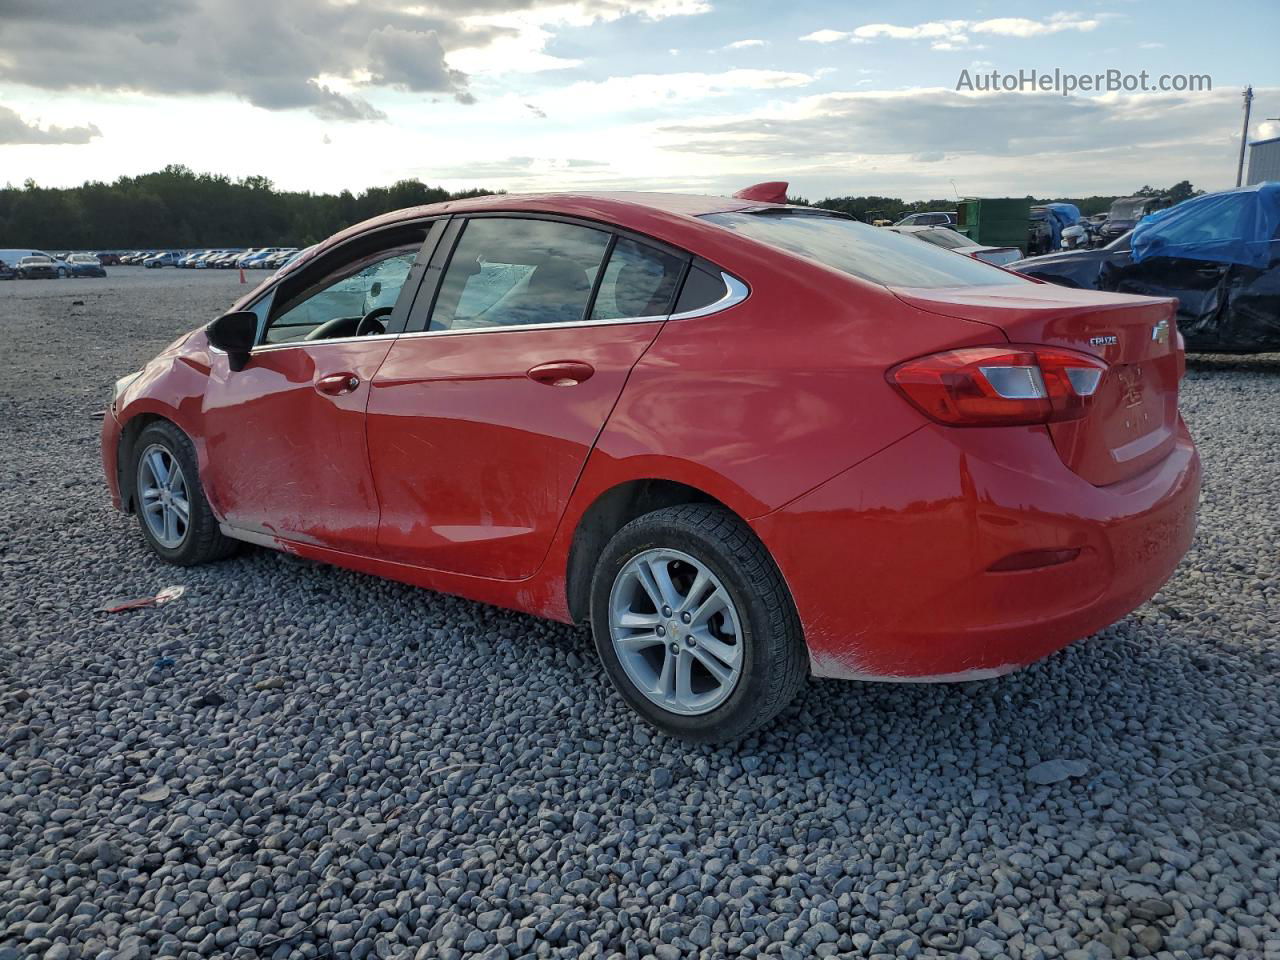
{"x":295,"y":761}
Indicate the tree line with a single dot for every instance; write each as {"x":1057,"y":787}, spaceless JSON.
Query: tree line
{"x":181,"y":209}
{"x":868,"y":209}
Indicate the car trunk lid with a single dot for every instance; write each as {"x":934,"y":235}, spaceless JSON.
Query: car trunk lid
{"x":1131,"y":424}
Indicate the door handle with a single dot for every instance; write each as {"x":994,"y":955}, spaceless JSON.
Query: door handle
{"x":336,"y":384}
{"x":561,"y":373}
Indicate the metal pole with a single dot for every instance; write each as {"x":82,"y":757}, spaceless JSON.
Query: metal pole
{"x":1244,"y":134}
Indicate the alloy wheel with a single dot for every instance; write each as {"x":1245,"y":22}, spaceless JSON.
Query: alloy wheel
{"x":163,"y":495}
{"x":676,"y":631}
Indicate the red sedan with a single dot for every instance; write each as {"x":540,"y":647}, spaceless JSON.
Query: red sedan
{"x":747,"y":442}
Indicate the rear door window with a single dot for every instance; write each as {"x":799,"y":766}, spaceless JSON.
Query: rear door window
{"x":639,"y":281}
{"x":513,"y":272}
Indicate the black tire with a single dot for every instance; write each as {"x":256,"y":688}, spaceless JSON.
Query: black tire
{"x":202,"y":542}
{"x":775,"y":660}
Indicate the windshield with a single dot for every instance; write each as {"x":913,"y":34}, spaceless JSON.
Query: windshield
{"x":1127,"y":209}
{"x":869,"y":253}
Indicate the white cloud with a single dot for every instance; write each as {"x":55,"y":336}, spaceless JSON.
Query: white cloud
{"x":954,"y":34}
{"x":826,"y":36}
{"x":745,"y":44}
{"x":15,"y":130}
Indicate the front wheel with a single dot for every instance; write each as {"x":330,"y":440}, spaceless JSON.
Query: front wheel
{"x":694,"y":624}
{"x":173,"y":513}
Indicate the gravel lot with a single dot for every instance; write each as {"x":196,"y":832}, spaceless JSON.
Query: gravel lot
{"x":295,"y":761}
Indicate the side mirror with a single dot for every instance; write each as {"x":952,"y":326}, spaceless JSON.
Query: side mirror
{"x":234,"y":334}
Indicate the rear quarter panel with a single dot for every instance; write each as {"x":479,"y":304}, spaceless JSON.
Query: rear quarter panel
{"x":759,"y":403}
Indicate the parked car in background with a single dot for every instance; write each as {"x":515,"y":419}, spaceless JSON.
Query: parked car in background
{"x":951,"y":240}
{"x":15,"y":255}
{"x":245,"y":256}
{"x":211,"y":258}
{"x":187,"y":260}
{"x":227,"y":260}
{"x":254,"y":260}
{"x":42,"y":267}
{"x":932,"y":218}
{"x":1127,"y":211}
{"x":108,"y":259}
{"x":7,"y":272}
{"x":276,"y":260}
{"x":157,"y":260}
{"x":85,"y":265}
{"x":935,"y":470}
{"x":1218,"y":253}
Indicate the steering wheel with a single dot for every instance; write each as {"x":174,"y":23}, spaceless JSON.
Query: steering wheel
{"x":371,"y":322}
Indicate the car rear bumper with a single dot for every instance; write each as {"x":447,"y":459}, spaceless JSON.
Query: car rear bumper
{"x":890,"y":562}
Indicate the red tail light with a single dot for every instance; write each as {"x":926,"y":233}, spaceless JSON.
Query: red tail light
{"x":993,"y":386}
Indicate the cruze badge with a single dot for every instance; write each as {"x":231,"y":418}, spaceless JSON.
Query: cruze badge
{"x":1160,"y":332}
{"x":1108,"y":341}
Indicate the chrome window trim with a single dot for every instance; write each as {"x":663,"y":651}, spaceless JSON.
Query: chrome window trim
{"x":735,"y":291}
{"x":268,"y":347}
{"x":508,"y":327}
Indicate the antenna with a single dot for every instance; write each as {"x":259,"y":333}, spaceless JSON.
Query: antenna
{"x":953,"y":187}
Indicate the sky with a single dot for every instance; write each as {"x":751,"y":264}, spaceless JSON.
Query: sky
{"x":687,"y":95}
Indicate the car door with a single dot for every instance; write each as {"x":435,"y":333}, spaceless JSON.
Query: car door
{"x":285,"y":436}
{"x":481,"y":420}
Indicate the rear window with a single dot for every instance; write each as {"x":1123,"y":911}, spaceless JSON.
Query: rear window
{"x":943,"y":237}
{"x":869,"y":253}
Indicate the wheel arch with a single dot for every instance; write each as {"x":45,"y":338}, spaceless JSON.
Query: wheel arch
{"x":130,"y":430}
{"x":610,"y":512}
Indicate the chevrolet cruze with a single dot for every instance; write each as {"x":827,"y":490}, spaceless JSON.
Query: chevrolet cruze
{"x":747,"y":442}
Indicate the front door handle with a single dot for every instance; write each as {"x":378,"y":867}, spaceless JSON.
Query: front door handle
{"x":561,"y":373}
{"x":336,"y":384}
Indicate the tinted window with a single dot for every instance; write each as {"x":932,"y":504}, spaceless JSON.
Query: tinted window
{"x":870,"y":253}
{"x":701,"y":289}
{"x":638,"y":281}
{"x":351,"y":293}
{"x":516,"y":272}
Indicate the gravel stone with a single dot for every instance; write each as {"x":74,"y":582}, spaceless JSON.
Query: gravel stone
{"x":1055,"y":771}
{"x":352,"y":767}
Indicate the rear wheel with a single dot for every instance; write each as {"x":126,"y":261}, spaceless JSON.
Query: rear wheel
{"x":694,"y":624}
{"x":174,"y":516}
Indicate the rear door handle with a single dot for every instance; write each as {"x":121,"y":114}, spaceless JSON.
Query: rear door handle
{"x":336,"y":384}
{"x":561,"y":373}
